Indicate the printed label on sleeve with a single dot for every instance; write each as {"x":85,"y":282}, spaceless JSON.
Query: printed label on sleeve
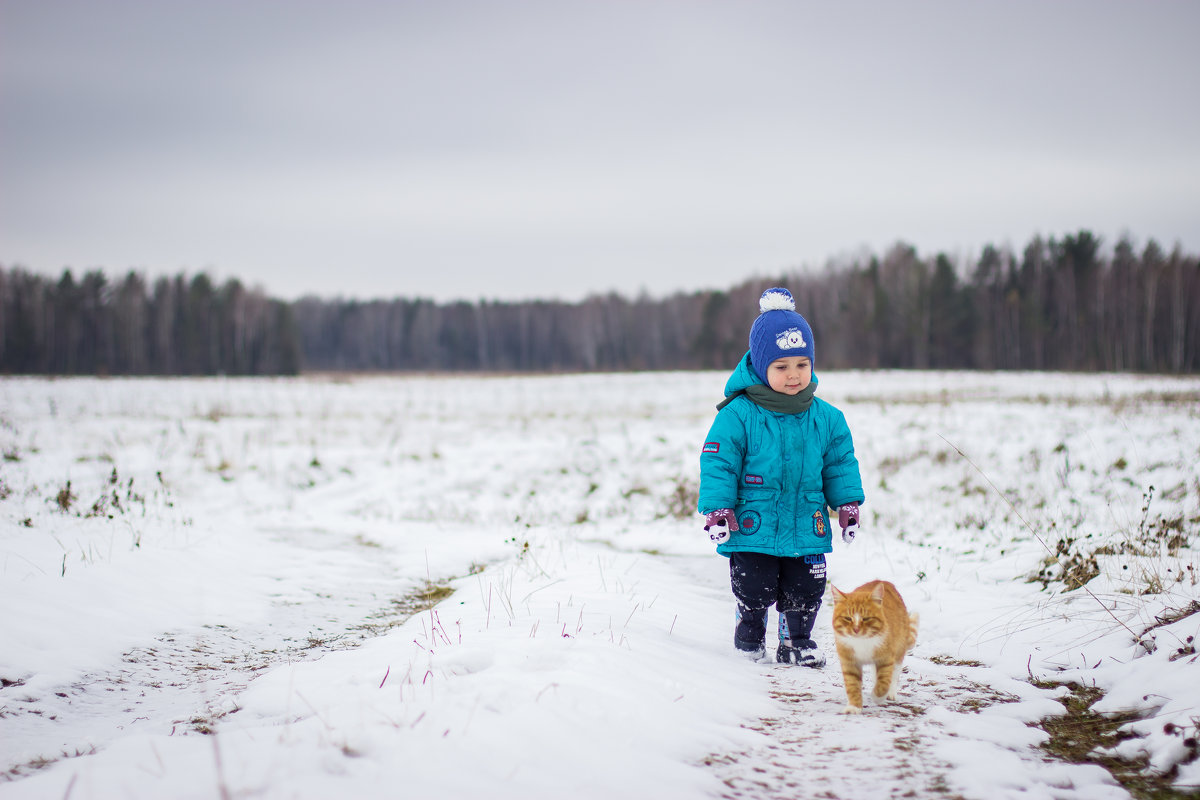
{"x":711,"y":447}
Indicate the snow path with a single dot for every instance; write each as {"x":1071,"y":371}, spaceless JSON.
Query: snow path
{"x":913,"y":747}
{"x":186,"y":679}
{"x":816,"y":751}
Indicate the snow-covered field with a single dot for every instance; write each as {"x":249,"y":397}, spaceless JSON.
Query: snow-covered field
{"x":498,"y":587}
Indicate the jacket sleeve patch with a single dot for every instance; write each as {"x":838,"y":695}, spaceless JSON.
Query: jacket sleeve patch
{"x":711,"y":447}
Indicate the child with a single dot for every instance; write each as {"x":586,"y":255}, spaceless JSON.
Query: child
{"x":774,"y":460}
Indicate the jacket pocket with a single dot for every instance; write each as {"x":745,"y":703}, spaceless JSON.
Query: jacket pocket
{"x":756,"y":506}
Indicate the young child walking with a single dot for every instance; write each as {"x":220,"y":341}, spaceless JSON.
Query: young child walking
{"x":774,"y":461}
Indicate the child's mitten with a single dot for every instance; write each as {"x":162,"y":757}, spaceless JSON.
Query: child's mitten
{"x":848,"y":519}
{"x":720,"y":518}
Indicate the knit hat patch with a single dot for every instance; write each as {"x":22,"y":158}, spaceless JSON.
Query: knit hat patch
{"x":791,"y":339}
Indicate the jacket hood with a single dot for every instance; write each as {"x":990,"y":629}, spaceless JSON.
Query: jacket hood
{"x":744,"y":377}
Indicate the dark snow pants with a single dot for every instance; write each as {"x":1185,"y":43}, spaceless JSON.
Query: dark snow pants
{"x":793,"y":585}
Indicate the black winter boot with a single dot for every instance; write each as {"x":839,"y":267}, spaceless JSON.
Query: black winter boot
{"x":804,"y":653}
{"x":795,"y":646}
{"x":750,"y":634}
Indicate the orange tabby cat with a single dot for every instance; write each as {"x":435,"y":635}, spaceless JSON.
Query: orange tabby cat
{"x":871,"y":626}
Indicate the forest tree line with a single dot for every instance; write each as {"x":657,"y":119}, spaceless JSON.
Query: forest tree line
{"x":174,"y":326}
{"x":1059,"y":304}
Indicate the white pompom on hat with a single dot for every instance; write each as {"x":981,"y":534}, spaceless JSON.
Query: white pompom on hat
{"x":776,"y":300}
{"x":779,"y":332}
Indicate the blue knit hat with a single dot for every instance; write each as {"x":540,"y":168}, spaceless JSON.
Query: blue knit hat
{"x":779,"y":332}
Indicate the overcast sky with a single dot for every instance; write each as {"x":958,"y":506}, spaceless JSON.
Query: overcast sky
{"x":509,"y":150}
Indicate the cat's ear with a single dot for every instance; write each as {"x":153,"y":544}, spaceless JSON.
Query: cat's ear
{"x":837,"y":593}
{"x":877,"y":593}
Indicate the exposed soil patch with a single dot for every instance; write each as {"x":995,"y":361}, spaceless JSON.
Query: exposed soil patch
{"x":1080,"y":736}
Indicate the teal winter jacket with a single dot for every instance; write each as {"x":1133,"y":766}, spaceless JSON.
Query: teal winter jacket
{"x":779,"y":472}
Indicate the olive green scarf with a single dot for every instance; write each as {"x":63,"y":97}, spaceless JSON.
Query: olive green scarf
{"x":775,"y":401}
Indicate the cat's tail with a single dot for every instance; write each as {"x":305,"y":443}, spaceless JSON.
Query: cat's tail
{"x":913,"y":621}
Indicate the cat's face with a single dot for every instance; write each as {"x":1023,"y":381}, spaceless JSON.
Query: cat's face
{"x":857,"y":615}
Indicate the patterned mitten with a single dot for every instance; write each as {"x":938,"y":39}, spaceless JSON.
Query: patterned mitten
{"x":722,"y":518}
{"x":848,"y":519}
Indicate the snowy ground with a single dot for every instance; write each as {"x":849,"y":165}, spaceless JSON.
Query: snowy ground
{"x":220,"y":589}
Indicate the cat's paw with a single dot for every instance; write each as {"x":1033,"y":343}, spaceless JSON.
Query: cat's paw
{"x":849,"y":709}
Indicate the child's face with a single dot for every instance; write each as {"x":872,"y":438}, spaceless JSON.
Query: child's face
{"x":790,"y":375}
